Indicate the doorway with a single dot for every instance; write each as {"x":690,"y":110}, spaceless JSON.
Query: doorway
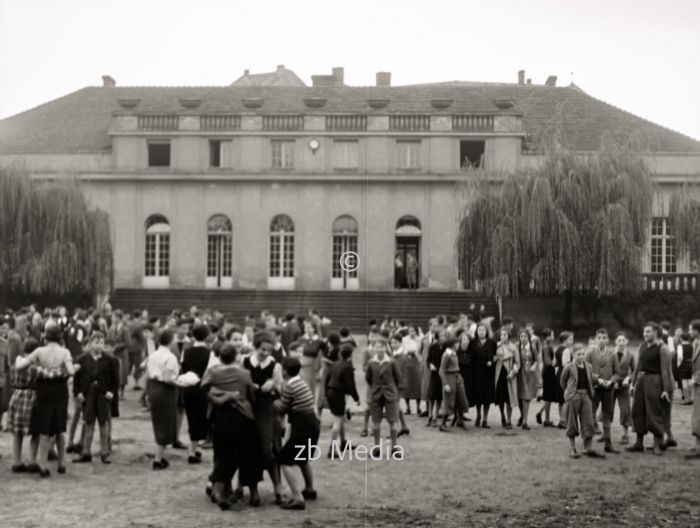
{"x":407,"y":255}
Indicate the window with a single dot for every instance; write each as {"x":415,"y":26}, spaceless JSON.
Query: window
{"x":220,"y":153}
{"x":282,"y":154}
{"x":408,"y":154}
{"x":471,"y":154}
{"x":282,"y":247}
{"x":344,"y":239}
{"x":157,"y":254}
{"x":159,"y":153}
{"x":345,"y":154}
{"x":219,"y":241}
{"x":663,"y":247}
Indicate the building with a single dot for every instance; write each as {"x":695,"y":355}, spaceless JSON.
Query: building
{"x":266,"y":183}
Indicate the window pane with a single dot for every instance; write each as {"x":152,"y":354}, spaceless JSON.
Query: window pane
{"x":282,"y":154}
{"x":345,"y":154}
{"x":159,"y":154}
{"x":214,"y":153}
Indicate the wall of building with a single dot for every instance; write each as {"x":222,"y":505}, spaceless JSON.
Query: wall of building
{"x":251,"y":206}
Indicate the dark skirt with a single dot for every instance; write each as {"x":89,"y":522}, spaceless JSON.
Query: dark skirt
{"x":50,"y":413}
{"x":162,"y":399}
{"x":685,"y":371}
{"x":196,"y":405}
{"x":412,"y":378}
{"x":549,"y":384}
{"x":305,"y":430}
{"x":269,"y":430}
{"x":502,"y":396}
{"x":559,"y":396}
{"x":484,"y":389}
{"x":467,"y":376}
{"x":435,"y":386}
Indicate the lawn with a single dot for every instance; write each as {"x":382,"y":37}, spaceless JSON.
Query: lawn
{"x":465,"y":478}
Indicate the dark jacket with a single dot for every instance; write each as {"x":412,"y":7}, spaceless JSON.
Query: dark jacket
{"x":384,"y":380}
{"x":101,"y":370}
{"x":341,"y":378}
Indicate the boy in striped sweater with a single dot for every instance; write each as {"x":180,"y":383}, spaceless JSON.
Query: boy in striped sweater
{"x":297,"y":401}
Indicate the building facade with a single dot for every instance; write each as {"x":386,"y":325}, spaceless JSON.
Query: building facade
{"x":266,"y":184}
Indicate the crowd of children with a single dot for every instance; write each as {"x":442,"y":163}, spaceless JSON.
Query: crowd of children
{"x":255,"y":392}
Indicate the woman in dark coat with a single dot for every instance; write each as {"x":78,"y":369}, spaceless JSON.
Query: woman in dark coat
{"x":483,"y":353}
{"x":195,"y":359}
{"x":464,"y":357}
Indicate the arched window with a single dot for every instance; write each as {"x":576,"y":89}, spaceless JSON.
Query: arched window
{"x":157,"y":254}
{"x":344,"y":268}
{"x":407,"y":273}
{"x":281,"y":252}
{"x":219,"y":242}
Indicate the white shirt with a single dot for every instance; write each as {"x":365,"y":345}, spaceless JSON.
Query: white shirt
{"x":162,"y":365}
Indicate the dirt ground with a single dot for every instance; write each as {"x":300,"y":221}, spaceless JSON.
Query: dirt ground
{"x":475,"y":478}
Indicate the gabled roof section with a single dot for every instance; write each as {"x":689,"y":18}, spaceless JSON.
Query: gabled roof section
{"x":79,"y":122}
{"x":280,"y":77}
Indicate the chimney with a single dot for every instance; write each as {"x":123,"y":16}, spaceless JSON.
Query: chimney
{"x":521,"y":76}
{"x":246,"y":72}
{"x":339,"y":74}
{"x":551,"y":81}
{"x":383,"y":78}
{"x":280,"y":67}
{"x":529,"y":81}
{"x":108,"y":81}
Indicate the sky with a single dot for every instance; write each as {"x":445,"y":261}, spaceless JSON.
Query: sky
{"x":640,"y":55}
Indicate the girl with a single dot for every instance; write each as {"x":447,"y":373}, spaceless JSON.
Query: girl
{"x":410,"y":344}
{"x":162,"y":369}
{"x":454,"y":399}
{"x":339,"y":382}
{"x":507,"y":363}
{"x":549,"y":378}
{"x":484,"y":392}
{"x":311,"y":358}
{"x":399,"y":357}
{"x":562,"y":356}
{"x":527,"y":376}
{"x":464,"y":357}
{"x":195,"y":359}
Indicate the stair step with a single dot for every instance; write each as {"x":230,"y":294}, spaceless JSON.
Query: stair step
{"x":353,"y":309}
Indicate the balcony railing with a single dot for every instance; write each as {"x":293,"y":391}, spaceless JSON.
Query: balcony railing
{"x":283,"y":122}
{"x":671,"y":282}
{"x":220,"y":122}
{"x":342,"y":123}
{"x":409,"y":123}
{"x":472,"y":123}
{"x":158,"y":122}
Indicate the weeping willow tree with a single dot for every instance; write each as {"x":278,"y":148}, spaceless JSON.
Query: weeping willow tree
{"x":52,"y":244}
{"x":577,"y":224}
{"x":684,"y":223}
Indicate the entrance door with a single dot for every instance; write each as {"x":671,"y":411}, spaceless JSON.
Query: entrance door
{"x":407,"y":263}
{"x":219,"y":253}
{"x":344,"y":274}
{"x":407,"y":255}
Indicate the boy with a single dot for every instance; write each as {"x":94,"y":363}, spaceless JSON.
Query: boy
{"x":578,"y":393}
{"x":297,"y":401}
{"x":95,"y":381}
{"x":625,"y":367}
{"x":384,"y":384}
{"x":339,"y":381}
{"x":604,"y":369}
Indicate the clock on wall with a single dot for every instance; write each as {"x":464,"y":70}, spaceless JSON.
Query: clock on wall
{"x":314,"y":145}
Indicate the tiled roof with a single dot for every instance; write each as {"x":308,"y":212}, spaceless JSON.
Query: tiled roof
{"x":281,"y":77}
{"x":80,"y":121}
